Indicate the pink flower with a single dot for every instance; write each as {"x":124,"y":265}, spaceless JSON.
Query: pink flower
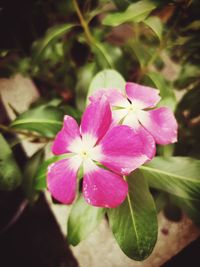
{"x":135,"y":110}
{"x":119,"y":149}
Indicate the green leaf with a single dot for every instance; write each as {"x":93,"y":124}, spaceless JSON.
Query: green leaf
{"x":108,"y":56}
{"x":10,"y":175}
{"x":160,"y":199}
{"x":134,"y":223}
{"x":155,"y":24}
{"x":84,"y":77}
{"x":103,"y":55}
{"x":166,"y":90}
{"x":71,"y":111}
{"x":136,"y":12}
{"x":142,"y":53}
{"x":51,"y":35}
{"x":40,"y":177}
{"x":179,"y":176}
{"x":45,"y":120}
{"x":30,"y":171}
{"x":83,"y":219}
{"x":106,"y":79}
{"x":123,"y":4}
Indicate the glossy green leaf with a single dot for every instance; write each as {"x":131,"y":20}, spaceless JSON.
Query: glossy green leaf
{"x":10,"y":175}
{"x":179,"y":176}
{"x":136,"y":12}
{"x":155,"y":24}
{"x":134,"y":223}
{"x":45,"y":120}
{"x":106,"y":79}
{"x":40,"y":176}
{"x":51,"y":35}
{"x":83,"y":219}
{"x":30,"y":171}
{"x":166,"y":90}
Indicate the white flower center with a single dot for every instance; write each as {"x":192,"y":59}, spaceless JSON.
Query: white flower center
{"x":129,"y":115}
{"x":133,"y":108}
{"x":86,"y":151}
{"x":84,"y":154}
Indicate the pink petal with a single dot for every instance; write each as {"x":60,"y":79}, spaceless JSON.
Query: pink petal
{"x":146,"y":96}
{"x":162,"y":124}
{"x":114,"y":97}
{"x":61,"y":180}
{"x":97,"y":95}
{"x":69,"y":132}
{"x":96,"y":119}
{"x":103,"y":188}
{"x":149,"y":146}
{"x":122,"y":150}
{"x":117,"y":98}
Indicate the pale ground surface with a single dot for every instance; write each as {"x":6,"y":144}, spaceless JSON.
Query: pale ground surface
{"x":20,"y":93}
{"x":100,"y":248}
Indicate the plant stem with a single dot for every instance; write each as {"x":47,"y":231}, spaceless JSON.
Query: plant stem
{"x":84,"y":24}
{"x":90,"y":39}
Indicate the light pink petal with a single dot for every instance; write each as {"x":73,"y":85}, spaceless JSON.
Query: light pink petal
{"x":97,"y":95}
{"x":64,"y":138}
{"x":117,"y":98}
{"x":96,"y":119}
{"x":103,"y":188}
{"x":122,"y":150}
{"x":143,"y":96}
{"x":162,"y":124}
{"x":61,"y":180}
{"x":114,"y":97}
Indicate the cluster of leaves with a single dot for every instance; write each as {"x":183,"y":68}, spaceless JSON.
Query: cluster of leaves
{"x":113,"y":42}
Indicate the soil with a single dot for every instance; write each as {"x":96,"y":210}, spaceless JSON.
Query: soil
{"x":34,"y":238}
